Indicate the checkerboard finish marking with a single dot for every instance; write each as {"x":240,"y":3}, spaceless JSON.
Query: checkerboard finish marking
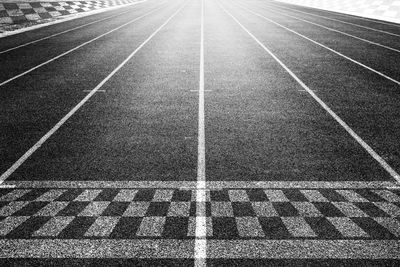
{"x":13,"y":13}
{"x":277,"y":214}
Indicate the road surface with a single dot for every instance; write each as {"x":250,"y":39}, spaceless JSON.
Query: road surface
{"x":201,"y":132}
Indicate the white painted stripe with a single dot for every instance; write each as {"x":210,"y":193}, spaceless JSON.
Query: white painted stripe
{"x":186,"y":185}
{"x":324,"y":46}
{"x":344,"y":22}
{"x":69,"y":30}
{"x":64,"y":19}
{"x":79,"y":46}
{"x":356,"y":137}
{"x":96,"y":248}
{"x":36,"y":146}
{"x":344,"y":33}
{"x":304,"y":249}
{"x":183,"y":249}
{"x":200,"y":248}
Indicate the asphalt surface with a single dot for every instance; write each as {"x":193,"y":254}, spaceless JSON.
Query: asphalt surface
{"x":100,"y":138}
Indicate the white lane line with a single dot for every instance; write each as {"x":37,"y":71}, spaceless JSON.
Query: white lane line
{"x":69,"y":30}
{"x":200,"y":248}
{"x":333,"y":30}
{"x":344,"y":22}
{"x":182,"y":249}
{"x":358,"y":16}
{"x":191,"y":185}
{"x":324,"y":46}
{"x":369,"y":149}
{"x":350,"y":15}
{"x":36,"y":146}
{"x":79,"y":46}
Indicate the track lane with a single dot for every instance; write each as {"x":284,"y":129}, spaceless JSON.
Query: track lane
{"x":365,"y":101}
{"x":259,"y":126}
{"x":374,"y":36}
{"x":134,"y":130}
{"x":20,"y":62}
{"x":36,"y":102}
{"x":14,"y":40}
{"x":348,"y":19}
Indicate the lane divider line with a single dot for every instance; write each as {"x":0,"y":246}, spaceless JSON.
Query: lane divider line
{"x":324,"y":46}
{"x":341,"y":21}
{"x":69,"y":30}
{"x":353,"y":134}
{"x":42,"y":140}
{"x":200,"y":248}
{"x":333,"y":30}
{"x":79,"y":46}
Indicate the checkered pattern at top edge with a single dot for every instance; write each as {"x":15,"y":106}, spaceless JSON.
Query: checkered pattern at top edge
{"x":381,"y":8}
{"x":14,"y":13}
{"x":170,"y":213}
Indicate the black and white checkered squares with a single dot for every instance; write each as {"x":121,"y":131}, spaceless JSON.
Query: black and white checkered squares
{"x":170,"y":213}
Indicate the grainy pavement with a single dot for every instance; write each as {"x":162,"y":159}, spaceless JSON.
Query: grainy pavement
{"x":201,"y":132}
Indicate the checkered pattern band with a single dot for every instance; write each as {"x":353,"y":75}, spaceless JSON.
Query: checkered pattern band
{"x":250,"y":213}
{"x":13,"y":13}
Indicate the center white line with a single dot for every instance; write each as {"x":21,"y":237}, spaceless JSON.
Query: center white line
{"x":42,"y":140}
{"x":201,"y":229}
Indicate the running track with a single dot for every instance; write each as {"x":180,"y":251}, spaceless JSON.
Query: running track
{"x":201,"y":132}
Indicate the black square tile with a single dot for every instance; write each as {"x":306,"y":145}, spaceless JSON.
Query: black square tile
{"x":107,"y":194}
{"x":285,"y":209}
{"x":115,"y":209}
{"x":144,"y":195}
{"x":27,"y":228}
{"x":224,"y":228}
{"x":241,"y":209}
{"x":73,"y":208}
{"x":257,"y":195}
{"x":158,"y":209}
{"x":274,"y":228}
{"x":294,"y":195}
{"x":182,"y":195}
{"x":77,"y":228}
{"x":126,"y":228}
{"x":219,"y":195}
{"x":328,"y":209}
{"x":70,"y":194}
{"x":176,"y":227}
{"x":323,"y":228}
{"x":31,"y":209}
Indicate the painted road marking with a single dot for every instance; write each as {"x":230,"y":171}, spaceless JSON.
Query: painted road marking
{"x":27,"y":154}
{"x":313,"y":196}
{"x":324,"y":46}
{"x":200,"y":249}
{"x":367,"y":148}
{"x":79,"y":46}
{"x":69,"y":30}
{"x":344,"y":22}
{"x":330,"y":29}
{"x":183,"y":249}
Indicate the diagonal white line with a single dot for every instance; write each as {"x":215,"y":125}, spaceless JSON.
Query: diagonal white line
{"x":79,"y":46}
{"x":324,"y":46}
{"x":333,"y":30}
{"x":369,"y":149}
{"x":341,"y":21}
{"x":42,"y":140}
{"x":69,"y":30}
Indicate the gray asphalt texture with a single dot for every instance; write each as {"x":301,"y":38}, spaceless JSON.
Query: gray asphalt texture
{"x":260,"y":124}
